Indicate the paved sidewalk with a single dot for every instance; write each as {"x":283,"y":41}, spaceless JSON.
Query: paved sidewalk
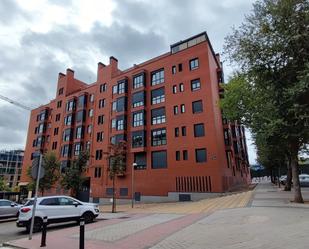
{"x":269,"y":221}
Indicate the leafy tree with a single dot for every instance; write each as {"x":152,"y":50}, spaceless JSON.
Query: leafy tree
{"x":271,"y":47}
{"x":51,"y":175}
{"x":117,"y":165}
{"x":3,"y":185}
{"x":74,"y":176}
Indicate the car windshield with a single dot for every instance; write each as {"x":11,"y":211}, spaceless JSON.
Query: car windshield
{"x":29,"y":203}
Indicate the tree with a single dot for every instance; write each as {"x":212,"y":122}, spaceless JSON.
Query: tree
{"x":3,"y":185}
{"x":51,"y":176}
{"x":117,"y":165}
{"x":271,"y":47}
{"x":74,"y":176}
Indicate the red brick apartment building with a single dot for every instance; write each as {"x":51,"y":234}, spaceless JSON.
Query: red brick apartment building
{"x":165,"y":108}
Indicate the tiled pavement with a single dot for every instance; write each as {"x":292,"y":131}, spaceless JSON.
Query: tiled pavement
{"x":232,"y":222}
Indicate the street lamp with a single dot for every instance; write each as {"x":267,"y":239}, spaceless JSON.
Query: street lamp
{"x":132,"y":184}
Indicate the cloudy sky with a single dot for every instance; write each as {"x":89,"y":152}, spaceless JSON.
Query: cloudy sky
{"x":40,"y":38}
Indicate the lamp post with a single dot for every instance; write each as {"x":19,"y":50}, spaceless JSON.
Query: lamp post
{"x":132,"y":184}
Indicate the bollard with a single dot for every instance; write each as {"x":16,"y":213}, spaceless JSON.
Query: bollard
{"x":81,"y":233}
{"x":44,"y":228}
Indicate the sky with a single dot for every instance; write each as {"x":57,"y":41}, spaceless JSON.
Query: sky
{"x":40,"y":38}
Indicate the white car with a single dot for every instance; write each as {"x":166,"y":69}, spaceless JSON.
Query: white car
{"x":8,"y":208}
{"x":57,"y":209}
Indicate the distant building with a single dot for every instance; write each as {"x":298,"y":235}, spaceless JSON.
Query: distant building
{"x":165,"y":108}
{"x":11,"y":166}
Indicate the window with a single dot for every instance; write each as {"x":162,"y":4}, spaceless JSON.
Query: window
{"x":182,"y":108}
{"x":58,"y":117}
{"x":98,"y":154}
{"x":41,"y":128}
{"x":176,"y":132}
{"x":82,"y":101}
{"x":197,"y":106}
{"x":121,"y":104}
{"x":90,"y":113}
{"x":103,"y":87}
{"x":199,"y":130}
{"x":139,"y":81}
{"x":66,"y":150}
{"x":115,"y":89}
{"x":200,"y":155}
{"x":159,"y":159}
{"x":174,"y":89}
{"x":185,"y":155}
{"x":50,"y":202}
{"x":181,"y":87}
{"x":77,"y":149}
{"x":97,"y":172}
{"x":158,"y":137}
{"x":122,"y":86}
{"x":101,"y":103}
{"x":68,"y":120}
{"x":113,"y":121}
{"x":56,"y":130}
{"x":158,"y":116}
{"x":138,"y":99}
{"x":229,"y":158}
{"x":195,"y":85}
{"x":80,"y":116}
{"x":60,"y":91}
{"x":70,"y":105}
{"x":175,"y":110}
{"x":100,"y":136}
{"x":79,"y":132}
{"x":180,"y":67}
{"x":67,"y":134}
{"x":120,"y":123}
{"x":88,"y":145}
{"x":140,"y":159}
{"x":177,"y":155}
{"x":59,"y":103}
{"x":101,"y":119}
{"x":54,"y":146}
{"x":89,"y":129}
{"x":157,"y":77}
{"x":183,"y":131}
{"x":91,"y":99}
{"x":193,"y":64}
{"x":138,"y":139}
{"x":138,"y":118}
{"x":157,"y":96}
{"x":118,"y":138}
{"x":173,"y":69}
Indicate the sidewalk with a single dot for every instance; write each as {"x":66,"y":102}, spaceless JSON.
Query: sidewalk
{"x":269,"y":220}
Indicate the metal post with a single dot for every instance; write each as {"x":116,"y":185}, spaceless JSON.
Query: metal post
{"x":81,"y":233}
{"x":43,"y":238}
{"x":35,"y":197}
{"x":132,"y":185}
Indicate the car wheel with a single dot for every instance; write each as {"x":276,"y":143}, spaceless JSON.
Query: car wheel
{"x":37,"y":226}
{"x":89,"y":217}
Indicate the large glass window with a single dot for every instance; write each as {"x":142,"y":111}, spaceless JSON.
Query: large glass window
{"x":67,"y":134}
{"x":121,"y":104}
{"x":195,"y":84}
{"x":197,"y":106}
{"x":157,"y":77}
{"x":138,"y":99}
{"x":139,"y":81}
{"x":158,"y":116}
{"x":118,"y":138}
{"x":77,"y":148}
{"x":140,"y":159}
{"x":200,"y":155}
{"x":138,"y":139}
{"x":70,"y":105}
{"x":68,"y":120}
{"x":138,"y":118}
{"x":122,"y":86}
{"x":157,"y":96}
{"x":158,"y":137}
{"x":80,"y":116}
{"x":79,"y":132}
{"x":66,"y":150}
{"x":193,"y":64}
{"x":82,"y":101}
{"x":199,"y":130}
{"x":159,"y":159}
{"x":120,"y":123}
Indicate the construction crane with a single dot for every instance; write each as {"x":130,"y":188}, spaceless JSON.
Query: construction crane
{"x":15,"y":103}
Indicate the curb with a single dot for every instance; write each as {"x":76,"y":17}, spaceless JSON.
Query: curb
{"x":13,"y":246}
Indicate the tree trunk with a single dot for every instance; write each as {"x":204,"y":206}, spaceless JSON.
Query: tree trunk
{"x":114,"y":197}
{"x":288,"y":183}
{"x":298,"y":198}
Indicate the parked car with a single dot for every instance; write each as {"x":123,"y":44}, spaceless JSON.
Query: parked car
{"x":57,"y":209}
{"x":282,"y":179}
{"x":304,"y":180}
{"x":8,"y":208}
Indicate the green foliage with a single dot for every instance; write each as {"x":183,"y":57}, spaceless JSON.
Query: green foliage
{"x":51,"y":176}
{"x":3,"y":185}
{"x":74,"y":177}
{"x":117,"y":158}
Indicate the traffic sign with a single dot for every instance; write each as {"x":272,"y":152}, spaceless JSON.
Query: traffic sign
{"x":35,"y":167}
